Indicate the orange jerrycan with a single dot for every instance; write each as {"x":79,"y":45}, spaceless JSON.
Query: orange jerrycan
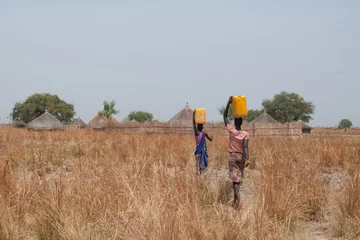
{"x":200,"y":116}
{"x":239,"y":107}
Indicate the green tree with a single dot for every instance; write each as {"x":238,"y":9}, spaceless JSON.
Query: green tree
{"x":140,"y":116}
{"x":109,"y":109}
{"x":287,"y":107}
{"x":36,"y":104}
{"x":345,"y":123}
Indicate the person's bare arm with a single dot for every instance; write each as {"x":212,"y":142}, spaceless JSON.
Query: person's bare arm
{"x":246,"y":148}
{"x":246,"y":151}
{"x":194,"y":125}
{"x":209,"y":137}
{"x":225,"y":115}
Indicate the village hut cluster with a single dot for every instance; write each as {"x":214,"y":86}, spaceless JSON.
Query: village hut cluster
{"x":47,"y":121}
{"x":263,"y":125}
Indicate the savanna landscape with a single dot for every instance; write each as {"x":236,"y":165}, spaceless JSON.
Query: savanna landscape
{"x":105,"y":103}
{"x":86,"y":184}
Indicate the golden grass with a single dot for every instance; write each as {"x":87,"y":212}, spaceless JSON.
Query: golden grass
{"x":328,"y":131}
{"x":95,"y":185}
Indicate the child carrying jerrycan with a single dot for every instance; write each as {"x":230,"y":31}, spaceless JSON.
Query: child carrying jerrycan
{"x":201,"y":153}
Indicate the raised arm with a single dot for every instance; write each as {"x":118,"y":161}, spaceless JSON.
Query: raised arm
{"x":225,"y":115}
{"x":194,"y":125}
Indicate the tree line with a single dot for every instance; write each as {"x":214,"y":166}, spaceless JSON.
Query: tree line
{"x":36,"y":105}
{"x":283,"y":107}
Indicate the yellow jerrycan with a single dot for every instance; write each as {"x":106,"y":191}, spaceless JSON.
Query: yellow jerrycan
{"x":200,"y":116}
{"x":239,"y":107}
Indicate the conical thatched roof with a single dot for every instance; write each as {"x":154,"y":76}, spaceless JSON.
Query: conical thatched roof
{"x":132,"y":122}
{"x":184,"y":117}
{"x":45,"y":122}
{"x":99,"y":122}
{"x":264,"y":118}
{"x":79,"y":123}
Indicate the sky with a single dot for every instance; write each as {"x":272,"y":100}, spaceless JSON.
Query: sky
{"x":157,"y":55}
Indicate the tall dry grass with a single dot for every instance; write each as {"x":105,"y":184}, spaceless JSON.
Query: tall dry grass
{"x":96,"y":185}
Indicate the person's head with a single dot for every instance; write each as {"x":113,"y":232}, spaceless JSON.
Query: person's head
{"x":200,"y":127}
{"x":238,"y":122}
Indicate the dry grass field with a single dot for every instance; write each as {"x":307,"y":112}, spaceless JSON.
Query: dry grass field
{"x":329,"y":131}
{"x":107,"y":185}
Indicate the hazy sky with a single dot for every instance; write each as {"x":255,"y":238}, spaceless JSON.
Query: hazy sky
{"x":157,"y":56}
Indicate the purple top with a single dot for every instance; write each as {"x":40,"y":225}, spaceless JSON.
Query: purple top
{"x":198,"y":138}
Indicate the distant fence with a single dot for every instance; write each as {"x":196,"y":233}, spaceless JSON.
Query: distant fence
{"x":254,"y":129}
{"x":271,"y":129}
{"x":334,"y":131}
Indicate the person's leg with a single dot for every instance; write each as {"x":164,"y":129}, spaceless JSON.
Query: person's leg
{"x":236,"y":187}
{"x":197,"y":158}
{"x":241,"y":165}
{"x":235,"y":177}
{"x":234,"y":170}
{"x":240,"y":170}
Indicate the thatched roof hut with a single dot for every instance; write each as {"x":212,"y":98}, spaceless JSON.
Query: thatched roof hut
{"x":78,"y":123}
{"x":45,"y":122}
{"x":264,"y":118}
{"x":304,"y":127}
{"x":101,"y":122}
{"x":184,"y":117}
{"x":133,"y":122}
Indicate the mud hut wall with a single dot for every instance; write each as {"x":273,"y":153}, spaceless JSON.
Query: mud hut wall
{"x":254,"y":129}
{"x":275,"y":129}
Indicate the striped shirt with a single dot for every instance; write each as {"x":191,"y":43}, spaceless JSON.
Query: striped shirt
{"x":236,"y":139}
